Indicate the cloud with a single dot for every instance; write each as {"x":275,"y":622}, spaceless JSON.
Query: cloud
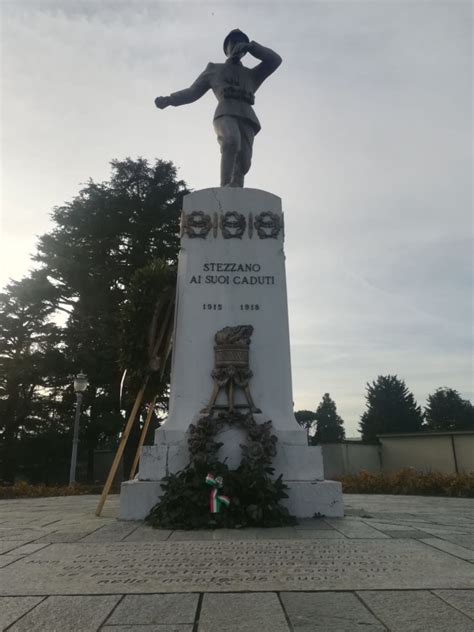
{"x":366,"y":130}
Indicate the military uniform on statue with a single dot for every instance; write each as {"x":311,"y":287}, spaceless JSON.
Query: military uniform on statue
{"x":234,"y":85}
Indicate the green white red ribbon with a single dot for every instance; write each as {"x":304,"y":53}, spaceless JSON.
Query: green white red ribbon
{"x":216,"y":499}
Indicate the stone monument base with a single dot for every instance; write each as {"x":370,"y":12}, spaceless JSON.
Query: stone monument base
{"x":231,"y":350}
{"x":295,"y":459}
{"x":300,"y":465}
{"x":306,"y":499}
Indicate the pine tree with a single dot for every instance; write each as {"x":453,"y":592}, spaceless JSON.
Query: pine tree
{"x":329,"y":426}
{"x":447,"y":411}
{"x":306,"y":419}
{"x":391,"y":408}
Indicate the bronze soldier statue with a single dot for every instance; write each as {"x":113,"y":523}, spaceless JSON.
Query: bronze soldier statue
{"x":234,"y":85}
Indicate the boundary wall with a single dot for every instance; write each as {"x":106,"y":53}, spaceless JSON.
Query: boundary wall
{"x":447,"y":452}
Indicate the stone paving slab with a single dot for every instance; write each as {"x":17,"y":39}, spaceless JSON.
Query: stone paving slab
{"x":394,"y":611}
{"x":63,"y":536}
{"x":386,"y":526}
{"x":21,"y":535}
{"x":67,"y":614}
{"x":12,"y":608}
{"x":279,"y":533}
{"x":356,"y":529}
{"x":8,"y":545}
{"x":406,"y":533}
{"x":340,"y":575}
{"x":147,"y":628}
{"x":147,"y":534}
{"x":463,"y":600}
{"x":324,"y":611}
{"x":233,"y":534}
{"x":185,"y":536}
{"x":26,"y":549}
{"x":440,"y":531}
{"x":234,"y":566}
{"x":313,"y":524}
{"x":319,"y":534}
{"x":113,"y":532}
{"x":248,"y":612}
{"x":452,"y":520}
{"x":415,"y":611}
{"x":449,"y":547}
{"x":155,"y":609}
{"x":7,"y":559}
{"x":466,"y":541}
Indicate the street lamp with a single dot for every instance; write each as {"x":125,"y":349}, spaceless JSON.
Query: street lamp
{"x":80,"y":385}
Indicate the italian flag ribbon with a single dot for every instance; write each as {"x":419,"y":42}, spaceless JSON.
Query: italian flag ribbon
{"x":216,"y":499}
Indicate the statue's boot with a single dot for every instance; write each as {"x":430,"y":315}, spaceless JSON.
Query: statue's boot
{"x":241,"y":167}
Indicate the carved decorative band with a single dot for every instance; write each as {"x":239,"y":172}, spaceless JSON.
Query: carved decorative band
{"x":232,"y":225}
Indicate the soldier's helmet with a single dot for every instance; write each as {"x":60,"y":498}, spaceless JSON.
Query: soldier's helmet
{"x":237,"y":36}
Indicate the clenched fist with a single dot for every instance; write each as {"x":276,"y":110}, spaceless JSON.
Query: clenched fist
{"x":162,"y":102}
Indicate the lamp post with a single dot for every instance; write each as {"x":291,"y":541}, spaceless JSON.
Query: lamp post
{"x":80,"y":385}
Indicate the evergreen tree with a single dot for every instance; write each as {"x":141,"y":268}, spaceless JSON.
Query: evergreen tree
{"x":306,"y":419}
{"x":29,"y":355}
{"x":329,"y":426}
{"x":100,"y":240}
{"x":391,"y":408}
{"x":446,"y":411}
{"x":88,"y":260}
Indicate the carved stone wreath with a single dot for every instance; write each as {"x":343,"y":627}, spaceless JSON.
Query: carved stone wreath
{"x":259,"y":450}
{"x":197,"y":224}
{"x":233,"y":225}
{"x":231,"y":369}
{"x":255,"y":493}
{"x":267,"y":225}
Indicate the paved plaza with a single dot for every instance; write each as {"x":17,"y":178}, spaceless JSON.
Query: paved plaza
{"x":398,"y":563}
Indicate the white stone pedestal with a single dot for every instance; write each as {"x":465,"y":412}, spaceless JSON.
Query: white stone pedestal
{"x":232,"y":272}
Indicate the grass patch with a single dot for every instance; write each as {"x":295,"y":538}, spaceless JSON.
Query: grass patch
{"x":410,"y":482}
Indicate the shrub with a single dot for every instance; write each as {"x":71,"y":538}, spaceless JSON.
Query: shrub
{"x":410,"y":482}
{"x":255,"y":499}
{"x":25,"y":490}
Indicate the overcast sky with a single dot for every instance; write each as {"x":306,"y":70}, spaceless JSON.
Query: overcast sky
{"x":366,"y":137}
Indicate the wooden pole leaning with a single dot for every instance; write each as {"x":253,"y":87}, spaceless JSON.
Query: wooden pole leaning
{"x":158,"y":348}
{"x":142,"y":438}
{"x":123,"y":441}
{"x":161,"y":348}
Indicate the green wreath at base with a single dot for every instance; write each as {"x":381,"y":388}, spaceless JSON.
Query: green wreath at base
{"x":255,"y":496}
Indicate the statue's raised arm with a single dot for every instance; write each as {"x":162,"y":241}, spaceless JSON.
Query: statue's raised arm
{"x":234,"y":86}
{"x":188,"y":95}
